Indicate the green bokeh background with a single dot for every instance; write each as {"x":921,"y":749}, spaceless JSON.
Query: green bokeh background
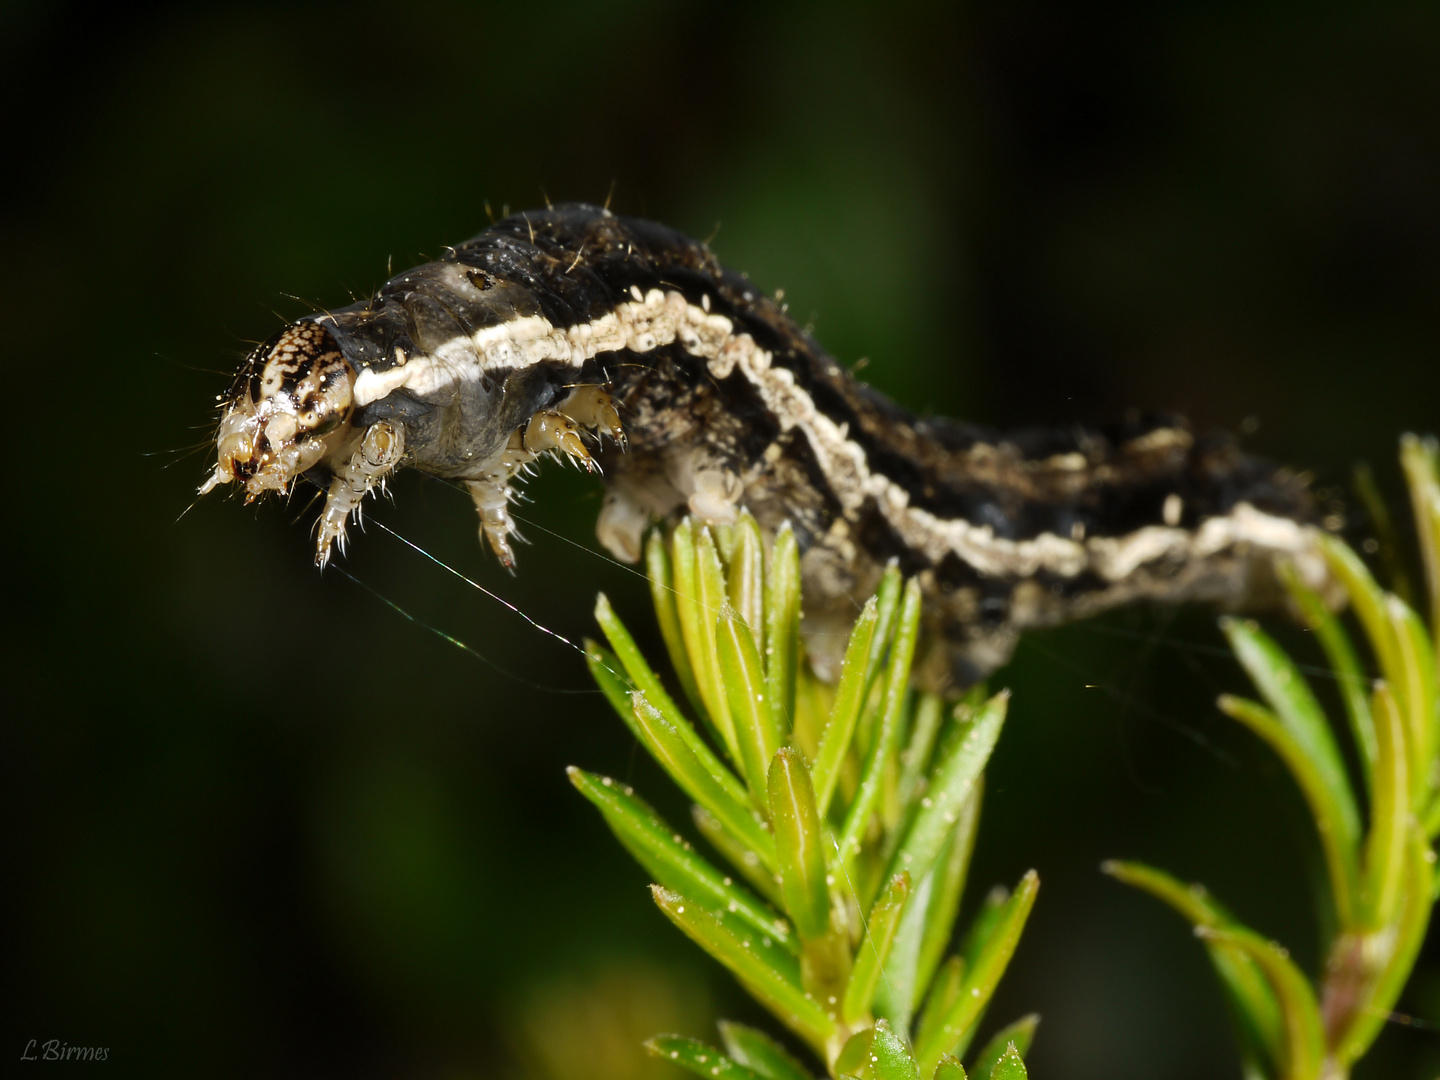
{"x":262,"y":824}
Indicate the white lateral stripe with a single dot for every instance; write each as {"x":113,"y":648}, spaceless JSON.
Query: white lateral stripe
{"x":660,"y":318}
{"x":846,"y":467}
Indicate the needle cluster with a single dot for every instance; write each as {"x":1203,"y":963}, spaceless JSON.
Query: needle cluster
{"x":842,"y":818}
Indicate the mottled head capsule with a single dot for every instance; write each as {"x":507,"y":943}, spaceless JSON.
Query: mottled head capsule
{"x":287,"y":411}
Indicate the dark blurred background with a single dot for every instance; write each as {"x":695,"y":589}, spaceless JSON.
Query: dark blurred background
{"x":262,"y":823}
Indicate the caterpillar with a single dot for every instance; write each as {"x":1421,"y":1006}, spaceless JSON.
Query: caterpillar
{"x":626,"y":347}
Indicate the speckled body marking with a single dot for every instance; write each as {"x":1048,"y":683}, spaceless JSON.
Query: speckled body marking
{"x":553,"y":329}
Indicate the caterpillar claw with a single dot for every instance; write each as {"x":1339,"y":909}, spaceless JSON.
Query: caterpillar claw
{"x":593,"y":406}
{"x":553,"y":430}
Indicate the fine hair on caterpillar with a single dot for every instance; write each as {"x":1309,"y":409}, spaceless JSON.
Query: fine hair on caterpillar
{"x":629,"y":350}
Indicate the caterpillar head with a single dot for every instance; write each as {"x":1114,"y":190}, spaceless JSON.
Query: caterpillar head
{"x":288,"y":410}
